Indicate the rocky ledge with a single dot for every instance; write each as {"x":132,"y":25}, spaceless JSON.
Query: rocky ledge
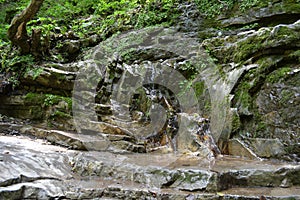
{"x":35,"y":169}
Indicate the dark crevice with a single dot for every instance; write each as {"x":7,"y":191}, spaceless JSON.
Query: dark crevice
{"x":245,"y":121}
{"x":278,"y":50}
{"x":230,"y":180}
{"x":170,"y":182}
{"x":278,"y":19}
{"x":269,"y":21}
{"x":193,"y":190}
{"x":24,"y":179}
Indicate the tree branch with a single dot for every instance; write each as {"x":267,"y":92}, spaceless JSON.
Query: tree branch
{"x":17,"y":31}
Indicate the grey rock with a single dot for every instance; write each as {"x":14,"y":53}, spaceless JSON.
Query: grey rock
{"x":33,"y":169}
{"x":267,"y":148}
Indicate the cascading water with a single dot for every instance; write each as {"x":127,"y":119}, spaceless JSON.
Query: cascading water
{"x":162,"y":96}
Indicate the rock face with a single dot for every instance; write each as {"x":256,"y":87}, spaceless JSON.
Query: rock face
{"x":33,"y":169}
{"x":251,"y":93}
{"x":178,"y":97}
{"x":266,"y":102}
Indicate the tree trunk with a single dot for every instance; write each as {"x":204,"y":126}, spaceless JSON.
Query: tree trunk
{"x":17,"y":32}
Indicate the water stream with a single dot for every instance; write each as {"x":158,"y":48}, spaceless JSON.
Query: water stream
{"x":156,"y":87}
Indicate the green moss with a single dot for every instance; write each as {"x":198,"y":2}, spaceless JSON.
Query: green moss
{"x":261,"y":126}
{"x":51,"y":99}
{"x":59,"y":76}
{"x":34,"y":98}
{"x":277,"y":75}
{"x":248,"y":47}
{"x":213,"y":8}
{"x":295,"y":55}
{"x":207,"y":106}
{"x":46,"y":99}
{"x":291,"y":6}
{"x":243,"y":96}
{"x":199,"y":88}
{"x":286,"y":95}
{"x":236,"y":123}
{"x":60,"y":114}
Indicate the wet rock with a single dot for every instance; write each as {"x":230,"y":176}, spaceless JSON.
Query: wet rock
{"x":90,"y":41}
{"x":267,"y":148}
{"x":125,"y":168}
{"x":190,"y":20}
{"x":125,"y":146}
{"x":5,"y":86}
{"x":39,"y":189}
{"x":87,"y":140}
{"x":264,"y":94}
{"x":273,"y":12}
{"x":59,"y":81}
{"x":34,"y":169}
{"x":14,"y":106}
{"x":70,"y":47}
{"x":237,"y":148}
{"x":277,"y":103}
{"x":249,"y":45}
{"x":95,"y":141}
{"x":56,"y":137}
{"x":260,"y":193}
{"x":196,"y":136}
{"x":107,"y":128}
{"x":103,"y":109}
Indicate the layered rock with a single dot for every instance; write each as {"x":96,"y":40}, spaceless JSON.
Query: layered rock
{"x":135,"y":138}
{"x":50,"y":172}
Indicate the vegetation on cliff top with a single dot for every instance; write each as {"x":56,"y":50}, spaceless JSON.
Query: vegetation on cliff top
{"x":63,"y":21}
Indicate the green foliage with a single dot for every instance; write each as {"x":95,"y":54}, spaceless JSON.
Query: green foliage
{"x":46,"y":25}
{"x":51,"y":99}
{"x":104,"y":16}
{"x":3,"y":31}
{"x":106,"y":7}
{"x":245,"y":4}
{"x":17,"y":62}
{"x":34,"y":98}
{"x":14,"y":64}
{"x":92,"y":16}
{"x":33,"y":72}
{"x":8,"y":9}
{"x":156,"y":12}
{"x":10,"y":61}
{"x":211,"y":8}
{"x":47,"y":99}
{"x":188,"y":70}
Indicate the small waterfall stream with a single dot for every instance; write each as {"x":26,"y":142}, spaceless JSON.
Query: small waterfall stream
{"x":145,"y":98}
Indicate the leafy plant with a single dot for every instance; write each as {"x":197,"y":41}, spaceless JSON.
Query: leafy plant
{"x":35,"y":72}
{"x":245,"y":4}
{"x":212,"y":8}
{"x":45,"y":24}
{"x":51,"y":99}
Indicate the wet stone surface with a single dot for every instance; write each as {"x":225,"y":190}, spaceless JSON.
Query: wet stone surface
{"x":32,"y":168}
